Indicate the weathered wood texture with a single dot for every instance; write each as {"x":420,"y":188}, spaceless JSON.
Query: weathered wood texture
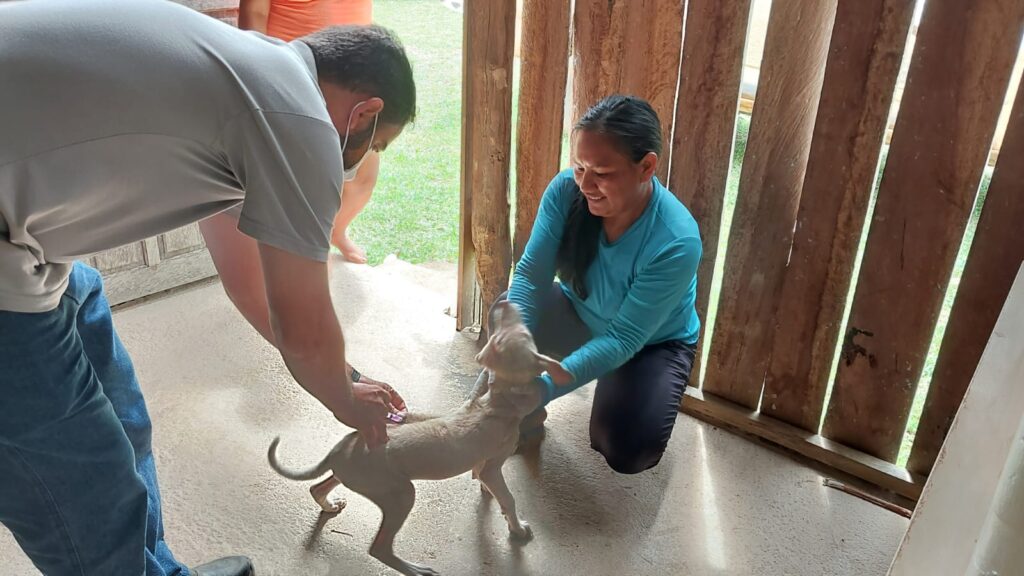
{"x":628,"y":47}
{"x":956,"y":85}
{"x":705,"y":125}
{"x":867,"y":46}
{"x":996,"y":253}
{"x":773,"y":171}
{"x":544,"y":65}
{"x":489,"y":28}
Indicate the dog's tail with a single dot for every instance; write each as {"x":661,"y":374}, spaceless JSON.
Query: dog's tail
{"x":309,"y":474}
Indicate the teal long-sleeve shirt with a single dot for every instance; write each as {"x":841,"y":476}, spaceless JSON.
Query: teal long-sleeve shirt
{"x":642,"y":287}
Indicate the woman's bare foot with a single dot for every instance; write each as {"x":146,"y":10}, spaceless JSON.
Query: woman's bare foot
{"x":348,"y":248}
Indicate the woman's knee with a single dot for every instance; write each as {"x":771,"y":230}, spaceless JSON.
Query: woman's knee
{"x":627,"y":449}
{"x":627,"y":458}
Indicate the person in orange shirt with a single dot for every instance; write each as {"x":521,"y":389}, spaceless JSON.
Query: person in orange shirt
{"x":290,"y":19}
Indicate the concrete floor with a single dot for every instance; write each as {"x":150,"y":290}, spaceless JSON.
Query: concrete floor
{"x":716,"y":505}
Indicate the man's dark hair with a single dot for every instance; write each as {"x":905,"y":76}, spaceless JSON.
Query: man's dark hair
{"x":367,"y":59}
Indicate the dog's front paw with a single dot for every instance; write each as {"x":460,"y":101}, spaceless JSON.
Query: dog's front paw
{"x":521,"y":534}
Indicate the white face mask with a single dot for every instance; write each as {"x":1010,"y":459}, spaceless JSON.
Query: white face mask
{"x":350,"y":173}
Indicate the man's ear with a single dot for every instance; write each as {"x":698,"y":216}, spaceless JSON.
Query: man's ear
{"x":373,"y":106}
{"x":365,"y":114}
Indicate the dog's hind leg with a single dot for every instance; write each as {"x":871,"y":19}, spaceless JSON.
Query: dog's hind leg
{"x":494,"y":481}
{"x":321,"y":492}
{"x":395,"y":504}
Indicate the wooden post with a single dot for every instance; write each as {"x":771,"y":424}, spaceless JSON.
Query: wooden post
{"x":867,"y":46}
{"x":958,"y":78}
{"x":997,"y":251}
{"x":544,"y":66}
{"x":650,"y":62}
{"x":592,"y":39}
{"x":628,"y":47}
{"x":773,"y":171}
{"x":488,"y":40}
{"x":705,"y":125}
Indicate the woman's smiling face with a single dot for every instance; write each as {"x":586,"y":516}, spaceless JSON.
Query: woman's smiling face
{"x":611,"y":181}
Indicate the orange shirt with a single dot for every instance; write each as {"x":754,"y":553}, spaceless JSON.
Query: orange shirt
{"x":289,"y":19}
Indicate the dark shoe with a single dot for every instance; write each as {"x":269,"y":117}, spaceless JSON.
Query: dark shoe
{"x":230,"y":566}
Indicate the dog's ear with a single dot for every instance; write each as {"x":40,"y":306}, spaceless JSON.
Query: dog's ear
{"x":509,"y":315}
{"x":486,"y":356}
{"x":545,"y":362}
{"x":497,"y":314}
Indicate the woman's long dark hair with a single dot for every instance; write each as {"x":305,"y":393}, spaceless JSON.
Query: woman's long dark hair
{"x":633,"y":127}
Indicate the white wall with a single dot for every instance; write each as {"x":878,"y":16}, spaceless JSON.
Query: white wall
{"x":954,"y":511}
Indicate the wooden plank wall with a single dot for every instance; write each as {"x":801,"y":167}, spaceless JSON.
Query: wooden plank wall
{"x":489,"y":26}
{"x":543,"y":68}
{"x":867,"y":46}
{"x":773,"y":170}
{"x":996,"y":254}
{"x":628,"y":47}
{"x":956,"y":84}
{"x":825,"y":89}
{"x":705,"y":125}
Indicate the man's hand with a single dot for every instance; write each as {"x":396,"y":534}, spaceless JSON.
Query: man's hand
{"x":395,"y":400}
{"x":368,"y":413}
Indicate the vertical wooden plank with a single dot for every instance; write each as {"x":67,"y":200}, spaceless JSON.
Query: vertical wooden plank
{"x":957,"y":81}
{"x":466,"y":305}
{"x":650,"y":62}
{"x":544,"y":65}
{"x":997,"y":251}
{"x":867,"y":46}
{"x":773,"y":171}
{"x":592,"y":73}
{"x":628,"y":47}
{"x":488,"y":38}
{"x":705,"y":124}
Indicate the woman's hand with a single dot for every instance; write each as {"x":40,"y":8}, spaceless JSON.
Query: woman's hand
{"x":559,"y":375}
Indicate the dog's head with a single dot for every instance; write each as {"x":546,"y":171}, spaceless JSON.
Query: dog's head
{"x":510,"y":352}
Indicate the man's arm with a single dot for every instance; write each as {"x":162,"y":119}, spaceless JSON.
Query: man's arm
{"x":253,"y":14}
{"x":237,"y":259}
{"x":309,"y":338}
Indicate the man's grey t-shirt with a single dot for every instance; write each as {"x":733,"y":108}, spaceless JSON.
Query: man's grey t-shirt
{"x":123,"y":119}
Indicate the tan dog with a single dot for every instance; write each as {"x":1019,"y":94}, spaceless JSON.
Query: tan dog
{"x":479,"y":436}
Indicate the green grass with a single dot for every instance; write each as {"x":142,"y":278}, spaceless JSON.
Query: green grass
{"x":414,"y":210}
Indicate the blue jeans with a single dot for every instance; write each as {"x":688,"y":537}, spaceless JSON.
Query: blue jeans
{"x":78,"y":482}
